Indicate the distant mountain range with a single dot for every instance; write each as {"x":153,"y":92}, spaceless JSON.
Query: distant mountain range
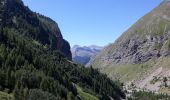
{"x":83,"y":54}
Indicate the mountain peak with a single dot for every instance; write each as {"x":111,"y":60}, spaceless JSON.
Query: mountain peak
{"x":46,"y":31}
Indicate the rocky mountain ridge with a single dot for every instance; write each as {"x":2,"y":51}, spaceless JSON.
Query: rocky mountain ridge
{"x":45,"y":30}
{"x":141,"y":55}
{"x":147,"y":39}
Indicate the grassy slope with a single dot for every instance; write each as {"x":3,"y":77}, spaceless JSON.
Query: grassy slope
{"x":163,"y":62}
{"x":127,"y":72}
{"x":131,"y":72}
{"x":84,"y":95}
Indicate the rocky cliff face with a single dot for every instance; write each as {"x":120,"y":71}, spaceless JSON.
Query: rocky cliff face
{"x":82,"y":55}
{"x":148,"y":38}
{"x":42,"y":29}
{"x":141,"y":55}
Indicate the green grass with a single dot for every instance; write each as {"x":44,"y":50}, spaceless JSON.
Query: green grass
{"x":84,"y":95}
{"x":5,"y":96}
{"x":36,"y":42}
{"x":127,"y":72}
{"x":130,"y":72}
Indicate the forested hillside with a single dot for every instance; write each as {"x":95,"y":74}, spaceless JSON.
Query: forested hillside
{"x":34,"y":60}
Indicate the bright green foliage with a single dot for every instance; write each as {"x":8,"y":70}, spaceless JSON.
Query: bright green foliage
{"x":85,"y":96}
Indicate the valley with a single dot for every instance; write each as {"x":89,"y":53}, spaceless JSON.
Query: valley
{"x":35,"y":61}
{"x":38,"y":63}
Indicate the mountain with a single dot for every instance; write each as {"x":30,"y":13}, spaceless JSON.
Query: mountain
{"x":82,"y":55}
{"x":35,"y":61}
{"x":141,"y":54}
{"x":41,"y":28}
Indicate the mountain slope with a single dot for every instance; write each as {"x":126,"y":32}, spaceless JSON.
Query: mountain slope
{"x":41,"y":28}
{"x":82,"y":55}
{"x":135,"y":55}
{"x":33,"y":64}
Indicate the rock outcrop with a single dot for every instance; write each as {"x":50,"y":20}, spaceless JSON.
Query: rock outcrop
{"x":140,"y":57}
{"x":147,"y":39}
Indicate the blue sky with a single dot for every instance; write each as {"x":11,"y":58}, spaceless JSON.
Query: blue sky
{"x":89,"y":22}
